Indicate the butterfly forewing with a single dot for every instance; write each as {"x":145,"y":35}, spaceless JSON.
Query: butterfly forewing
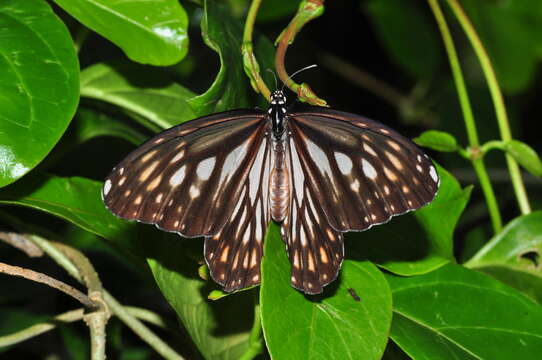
{"x":183,"y":179}
{"x":361,"y":172}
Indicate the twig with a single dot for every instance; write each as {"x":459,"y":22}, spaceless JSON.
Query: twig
{"x":308,"y":10}
{"x":47,"y":280}
{"x":22,"y":243}
{"x":38,"y":329}
{"x":477,"y":161}
{"x":114,"y":306}
{"x":498,"y":101}
{"x":252,"y":69}
{"x":72,"y":316}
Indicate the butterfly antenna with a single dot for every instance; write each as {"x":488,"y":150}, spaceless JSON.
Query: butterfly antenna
{"x":274,"y":77}
{"x":298,"y":71}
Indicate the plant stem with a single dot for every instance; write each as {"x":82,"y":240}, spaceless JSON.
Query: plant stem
{"x":308,"y":10}
{"x":498,"y":102}
{"x":477,"y":161}
{"x":116,"y":308}
{"x":252,"y":69}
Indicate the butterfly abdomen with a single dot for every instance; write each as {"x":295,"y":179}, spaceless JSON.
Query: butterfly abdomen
{"x":279,"y":185}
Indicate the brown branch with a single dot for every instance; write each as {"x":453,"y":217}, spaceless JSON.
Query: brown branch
{"x":47,"y":280}
{"x":22,"y":243}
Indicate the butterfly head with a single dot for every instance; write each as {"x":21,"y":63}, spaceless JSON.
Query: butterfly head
{"x":278,"y":98}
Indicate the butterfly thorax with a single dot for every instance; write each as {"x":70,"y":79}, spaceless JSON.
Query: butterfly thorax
{"x":279,"y":182}
{"x":277,"y":113}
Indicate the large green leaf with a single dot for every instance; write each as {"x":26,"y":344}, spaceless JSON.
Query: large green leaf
{"x":148,"y":31}
{"x":333,"y":325}
{"x":456,"y":313}
{"x":513,"y":255}
{"x":141,"y":90}
{"x":74,"y":199}
{"x":220,"y":329}
{"x":223,"y":33}
{"x":152,"y":96}
{"x":40,"y":82}
{"x":418,"y":242}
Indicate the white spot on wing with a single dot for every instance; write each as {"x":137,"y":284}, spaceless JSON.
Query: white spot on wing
{"x":205,"y":168}
{"x":343,"y":162}
{"x":194,"y":192}
{"x":433,"y":174}
{"x":368,"y":169}
{"x":178,"y":177}
{"x":107,"y":186}
{"x":320,"y":157}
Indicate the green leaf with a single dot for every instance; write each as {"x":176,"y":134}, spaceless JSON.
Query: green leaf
{"x":39,"y":90}
{"x":141,"y":90}
{"x":329,"y":326}
{"x":223,"y":33}
{"x":513,"y":256}
{"x":525,"y":155}
{"x":456,"y":313}
{"x":437,"y":140}
{"x":407,"y":34}
{"x":74,"y":199}
{"x":220,"y":329}
{"x":150,"y":94}
{"x":417,"y":242}
{"x":148,"y":31}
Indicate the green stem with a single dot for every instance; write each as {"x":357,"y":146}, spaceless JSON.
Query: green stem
{"x":252,"y":69}
{"x":308,"y":10}
{"x":498,"y":102}
{"x":470,"y":124}
{"x":255,"y":346}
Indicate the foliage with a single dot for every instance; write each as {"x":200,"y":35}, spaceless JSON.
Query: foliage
{"x":401,"y":293}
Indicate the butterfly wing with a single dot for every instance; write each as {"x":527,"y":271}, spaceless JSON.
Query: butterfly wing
{"x":315,"y":248}
{"x":348,"y":173}
{"x":361,"y":172}
{"x":202,"y":178}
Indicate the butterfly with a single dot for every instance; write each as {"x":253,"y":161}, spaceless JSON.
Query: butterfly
{"x":317,"y":172}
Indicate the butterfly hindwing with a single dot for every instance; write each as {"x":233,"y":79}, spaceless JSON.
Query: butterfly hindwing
{"x":234,"y":254}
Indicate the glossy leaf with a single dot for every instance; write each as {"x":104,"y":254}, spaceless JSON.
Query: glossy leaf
{"x":141,"y":90}
{"x":418,"y":242}
{"x":40,"y":82}
{"x":75,"y":199}
{"x":333,"y":325}
{"x":437,"y":140}
{"x":514,"y":255}
{"x":151,"y":95}
{"x":148,"y":31}
{"x":525,"y":155}
{"x":220,"y":329}
{"x":456,"y":313}
{"x":223,"y":34}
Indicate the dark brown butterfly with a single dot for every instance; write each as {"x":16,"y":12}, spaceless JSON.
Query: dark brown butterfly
{"x":318,"y":173}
